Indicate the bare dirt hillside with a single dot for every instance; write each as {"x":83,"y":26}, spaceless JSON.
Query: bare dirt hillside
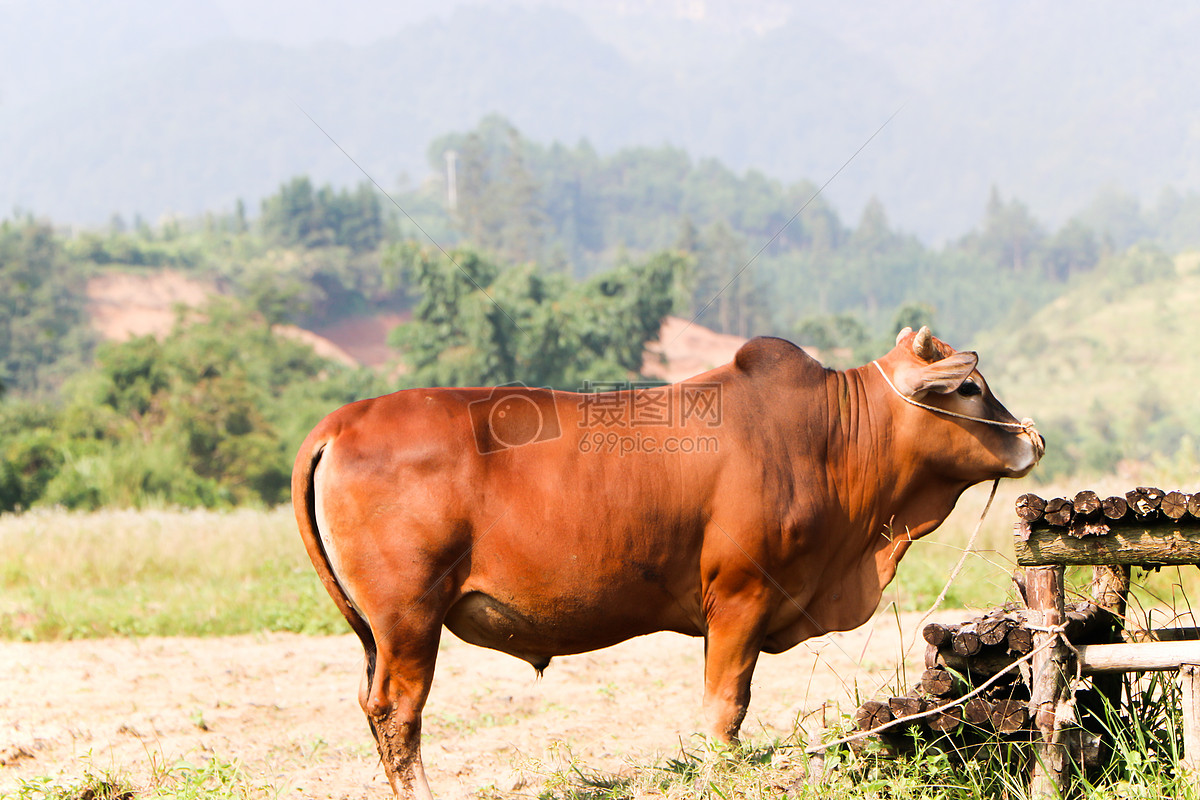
{"x":286,"y":707}
{"x":365,"y":338}
{"x":320,"y":345}
{"x":124,"y":305}
{"x":685,"y":349}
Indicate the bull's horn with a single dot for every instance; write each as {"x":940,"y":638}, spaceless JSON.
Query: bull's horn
{"x":900,"y":336}
{"x":923,"y":344}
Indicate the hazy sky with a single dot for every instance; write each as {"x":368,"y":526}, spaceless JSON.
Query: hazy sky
{"x":157,"y":105}
{"x":365,"y":21}
{"x":305,"y":22}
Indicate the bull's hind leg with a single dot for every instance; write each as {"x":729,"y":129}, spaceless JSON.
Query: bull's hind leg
{"x":394,"y":695}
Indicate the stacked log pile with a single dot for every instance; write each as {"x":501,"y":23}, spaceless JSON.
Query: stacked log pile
{"x":1145,"y":526}
{"x":1007,"y":674}
{"x":964,"y":655}
{"x":1087,"y":514}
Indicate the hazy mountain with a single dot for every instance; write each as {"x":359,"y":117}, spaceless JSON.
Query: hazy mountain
{"x":188,"y":105}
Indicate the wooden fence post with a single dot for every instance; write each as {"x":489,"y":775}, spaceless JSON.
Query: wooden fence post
{"x":1051,"y":771}
{"x":1110,"y":590}
{"x":1189,"y":675}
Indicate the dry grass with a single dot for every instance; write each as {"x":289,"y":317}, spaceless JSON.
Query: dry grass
{"x":70,"y":575}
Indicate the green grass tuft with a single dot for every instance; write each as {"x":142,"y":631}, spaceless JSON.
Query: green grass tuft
{"x":211,"y":779}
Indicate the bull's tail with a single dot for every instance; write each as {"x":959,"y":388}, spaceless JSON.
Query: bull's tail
{"x":304,"y":503}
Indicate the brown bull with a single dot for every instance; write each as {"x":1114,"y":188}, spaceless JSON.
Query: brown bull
{"x":757,"y":505}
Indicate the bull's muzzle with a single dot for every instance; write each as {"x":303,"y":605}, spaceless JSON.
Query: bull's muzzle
{"x":1036,"y":440}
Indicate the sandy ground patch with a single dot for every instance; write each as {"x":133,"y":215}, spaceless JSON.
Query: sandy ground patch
{"x":286,"y":707}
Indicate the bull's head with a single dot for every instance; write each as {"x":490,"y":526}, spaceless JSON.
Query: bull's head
{"x":976,"y":437}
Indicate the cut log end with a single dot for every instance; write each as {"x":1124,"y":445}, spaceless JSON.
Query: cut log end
{"x":1174,"y":505}
{"x":1086,"y":504}
{"x":978,"y":712}
{"x":946,"y":721}
{"x":966,"y":642}
{"x":1020,"y":640}
{"x":936,"y":634}
{"x":1193,"y":505}
{"x":1114,"y":508}
{"x":937,"y":682}
{"x":1059,"y":512}
{"x":906,"y":706}
{"x":872,"y":714}
{"x":993,"y":630}
{"x":1009,"y":716}
{"x":1030,"y":507}
{"x":1144,"y":501}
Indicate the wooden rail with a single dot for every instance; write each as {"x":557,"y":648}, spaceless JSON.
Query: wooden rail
{"x":1139,"y":657}
{"x":1174,"y":543}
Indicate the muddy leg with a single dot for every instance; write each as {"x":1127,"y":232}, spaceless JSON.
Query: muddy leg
{"x":393,"y":700}
{"x":398,"y":736}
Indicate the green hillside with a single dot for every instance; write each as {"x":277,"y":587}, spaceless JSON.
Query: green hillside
{"x":1109,"y":369}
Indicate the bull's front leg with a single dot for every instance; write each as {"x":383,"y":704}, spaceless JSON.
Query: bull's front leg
{"x":732,"y":642}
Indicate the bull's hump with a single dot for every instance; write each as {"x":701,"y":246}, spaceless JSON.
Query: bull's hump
{"x":764,"y":355}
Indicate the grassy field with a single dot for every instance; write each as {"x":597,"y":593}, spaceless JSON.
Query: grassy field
{"x":213,"y":779}
{"x":1146,"y":768}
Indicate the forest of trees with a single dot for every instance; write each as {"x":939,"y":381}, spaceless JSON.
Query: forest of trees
{"x":572,"y":209}
{"x":555,"y":267}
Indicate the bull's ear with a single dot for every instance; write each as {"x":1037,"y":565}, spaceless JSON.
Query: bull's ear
{"x":941,"y":376}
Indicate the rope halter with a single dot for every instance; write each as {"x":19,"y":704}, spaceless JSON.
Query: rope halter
{"x":1025,"y":426}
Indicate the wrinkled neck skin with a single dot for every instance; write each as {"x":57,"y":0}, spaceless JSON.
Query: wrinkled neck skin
{"x":888,"y":495}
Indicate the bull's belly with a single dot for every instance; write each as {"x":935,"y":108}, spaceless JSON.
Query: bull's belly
{"x":537,"y":631}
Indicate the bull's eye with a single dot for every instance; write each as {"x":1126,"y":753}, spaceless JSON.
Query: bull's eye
{"x":970,"y":389}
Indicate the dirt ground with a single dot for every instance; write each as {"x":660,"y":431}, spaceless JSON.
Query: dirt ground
{"x":285,"y":707}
